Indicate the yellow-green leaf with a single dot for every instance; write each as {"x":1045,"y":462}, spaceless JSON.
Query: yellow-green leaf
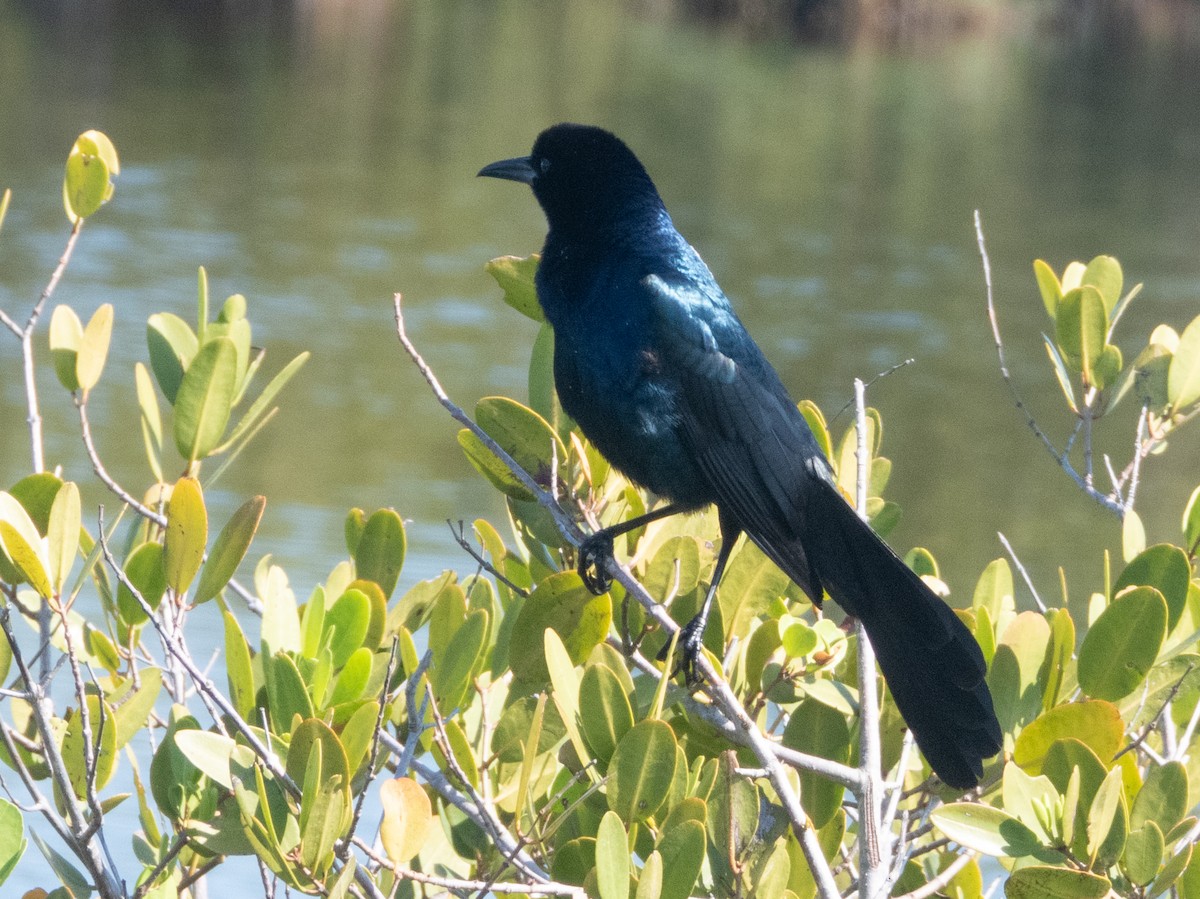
{"x":515,"y":276}
{"x":1122,"y":644}
{"x":230,"y":548}
{"x":205,"y":399}
{"x":66,"y":334}
{"x":93,"y":348}
{"x":407,"y":819}
{"x":187,"y":534}
{"x":87,"y":183}
{"x":62,"y":538}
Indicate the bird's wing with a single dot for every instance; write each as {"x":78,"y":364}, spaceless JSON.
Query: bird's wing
{"x":746,"y":434}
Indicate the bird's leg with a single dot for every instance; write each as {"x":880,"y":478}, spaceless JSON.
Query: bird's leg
{"x":691,"y":635}
{"x":597,"y":549}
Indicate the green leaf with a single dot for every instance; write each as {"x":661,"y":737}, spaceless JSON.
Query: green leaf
{"x":994,"y":590}
{"x":1183,"y":377}
{"x":1046,"y":882}
{"x":751,"y":583}
{"x":352,"y":681}
{"x":239,"y":668}
{"x":523,"y":434}
{"x":132,"y":706}
{"x":450,"y":675}
{"x":70,"y":877}
{"x":1143,"y":854}
{"x":173,"y":346}
{"x":641,"y":770}
{"x":1104,"y":273}
{"x":1133,"y":536}
{"x":187,"y":534}
{"x":62,"y":536}
{"x":817,"y":729}
{"x":66,"y":334}
{"x":515,"y":276}
{"x":489,"y":465}
{"x":1191,"y":522}
{"x":1048,"y":285}
{"x":379,"y":556}
{"x":331,"y":759}
{"x":650,"y":880}
{"x":1031,"y":800}
{"x":1095,"y":723}
{"x":562,"y":604}
{"x":346,"y":624}
{"x":1164,"y":567}
{"x":229,"y":549}
{"x":609,"y":716}
{"x":144,"y":569}
{"x":104,"y":746}
{"x":1121,"y":646}
{"x":12,"y":838}
{"x":286,"y":692}
{"x":210,"y":752}
{"x":612,"y":858}
{"x":87,"y":183}
{"x":23,"y":547}
{"x":682,"y":850}
{"x":1061,"y":373}
{"x":1162,"y":798}
{"x":151,"y":419}
{"x":407,"y":819}
{"x":988,"y":830}
{"x":1102,"y":820}
{"x":93,"y":348}
{"x":205,"y":398}
{"x":261,"y":408}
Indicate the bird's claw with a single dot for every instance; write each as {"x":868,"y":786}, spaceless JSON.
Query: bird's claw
{"x":689,"y":644}
{"x":594,"y":553}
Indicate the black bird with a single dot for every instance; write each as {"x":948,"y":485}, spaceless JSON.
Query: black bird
{"x":653,"y":364}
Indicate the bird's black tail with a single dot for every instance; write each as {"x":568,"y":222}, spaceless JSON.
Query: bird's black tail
{"x":930,"y":659}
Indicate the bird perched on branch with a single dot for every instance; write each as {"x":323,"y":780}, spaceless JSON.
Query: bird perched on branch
{"x":661,"y":376}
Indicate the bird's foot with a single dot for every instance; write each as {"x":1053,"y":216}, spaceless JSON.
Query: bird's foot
{"x":690,"y":644}
{"x":594,"y":553}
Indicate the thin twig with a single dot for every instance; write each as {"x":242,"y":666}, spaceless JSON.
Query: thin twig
{"x":373,"y":756}
{"x":1024,"y":574}
{"x":1061,"y":458}
{"x":461,"y":539}
{"x":102,"y":473}
{"x":942,"y":879}
{"x":870,"y":790}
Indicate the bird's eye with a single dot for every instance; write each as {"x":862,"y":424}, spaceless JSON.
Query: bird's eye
{"x":543,"y":165}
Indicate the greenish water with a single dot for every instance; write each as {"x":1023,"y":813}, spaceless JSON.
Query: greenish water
{"x":319,"y":161}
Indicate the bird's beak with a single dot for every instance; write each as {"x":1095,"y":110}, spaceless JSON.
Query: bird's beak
{"x":518,"y":169}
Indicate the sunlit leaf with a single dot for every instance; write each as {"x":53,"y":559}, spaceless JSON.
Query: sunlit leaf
{"x":1048,"y":285}
{"x":1047,"y":882}
{"x":817,"y":729}
{"x":612,"y":858}
{"x":172,"y":345}
{"x":407,"y":819}
{"x":87,"y":184}
{"x":205,"y":399}
{"x":641,"y":770}
{"x":1183,"y":378}
{"x":93,"y":348}
{"x":229,"y":549}
{"x":1095,"y":723}
{"x":379,"y":556}
{"x":66,"y":334}
{"x":187,"y":534}
{"x":62,"y":537}
{"x":1122,"y":644}
{"x":515,"y":276}
{"x":1164,"y":567}
{"x":991,"y":831}
{"x":563,"y":604}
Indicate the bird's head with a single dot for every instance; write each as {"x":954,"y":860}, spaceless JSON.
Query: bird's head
{"x":585,"y":178}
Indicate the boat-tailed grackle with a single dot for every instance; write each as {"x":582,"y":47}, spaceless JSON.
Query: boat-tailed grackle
{"x":661,"y":376}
